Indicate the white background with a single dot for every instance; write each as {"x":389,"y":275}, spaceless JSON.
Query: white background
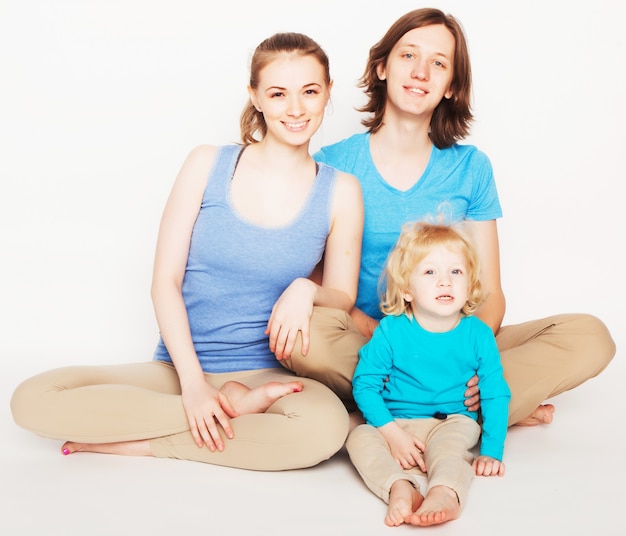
{"x":102,"y":100}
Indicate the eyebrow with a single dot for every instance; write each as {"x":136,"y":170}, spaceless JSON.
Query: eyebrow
{"x":412,"y":45}
{"x":280,"y":88}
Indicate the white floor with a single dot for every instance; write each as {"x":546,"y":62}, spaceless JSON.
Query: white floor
{"x":561,"y":479}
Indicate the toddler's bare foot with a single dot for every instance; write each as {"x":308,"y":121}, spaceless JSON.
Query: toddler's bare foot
{"x":257,"y":400}
{"x":542,"y":415}
{"x":123,"y":448}
{"x":404,"y":499}
{"x":441,"y":504}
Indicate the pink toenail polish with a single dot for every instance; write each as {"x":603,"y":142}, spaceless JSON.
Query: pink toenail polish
{"x":66,"y":451}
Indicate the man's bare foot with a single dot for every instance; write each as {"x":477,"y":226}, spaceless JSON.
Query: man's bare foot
{"x":404,"y":499}
{"x":544,"y":414}
{"x":123,"y":448}
{"x":441,"y":504}
{"x":257,"y":400}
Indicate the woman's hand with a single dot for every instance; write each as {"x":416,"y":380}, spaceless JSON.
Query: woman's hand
{"x":291,"y":314}
{"x":206,"y":408}
{"x":472,"y":394}
{"x":405,"y":448}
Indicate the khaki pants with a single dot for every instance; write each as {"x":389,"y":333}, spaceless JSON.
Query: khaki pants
{"x":541,"y":358}
{"x":108,"y":404}
{"x":447,"y":455}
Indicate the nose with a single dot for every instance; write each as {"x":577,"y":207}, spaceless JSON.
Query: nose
{"x":444,"y":281}
{"x":420,"y":70}
{"x":294,"y":106}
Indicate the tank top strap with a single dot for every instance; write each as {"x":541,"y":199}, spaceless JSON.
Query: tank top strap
{"x":222,"y":173}
{"x":317,"y":210}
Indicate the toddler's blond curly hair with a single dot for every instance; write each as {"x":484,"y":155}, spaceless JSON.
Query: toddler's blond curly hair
{"x":415,"y":242}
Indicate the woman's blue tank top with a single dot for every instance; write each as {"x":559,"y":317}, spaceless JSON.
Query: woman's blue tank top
{"x":237,"y":270}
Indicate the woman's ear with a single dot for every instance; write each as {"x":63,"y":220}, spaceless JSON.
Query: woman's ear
{"x":253,"y":99}
{"x":329,"y":91}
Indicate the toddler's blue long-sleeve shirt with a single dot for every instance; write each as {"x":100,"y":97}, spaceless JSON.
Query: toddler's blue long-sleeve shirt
{"x":407,"y":372}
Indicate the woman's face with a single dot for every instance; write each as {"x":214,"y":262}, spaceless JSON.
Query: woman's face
{"x":419,"y":70}
{"x":292,"y":95}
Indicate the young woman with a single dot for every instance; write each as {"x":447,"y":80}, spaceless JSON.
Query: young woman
{"x":411,"y":166}
{"x":242,"y":230}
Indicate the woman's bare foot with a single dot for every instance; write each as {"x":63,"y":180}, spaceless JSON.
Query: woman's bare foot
{"x":257,"y":400}
{"x":123,"y":448}
{"x":441,"y":504}
{"x":404,"y":499}
{"x":544,"y":414}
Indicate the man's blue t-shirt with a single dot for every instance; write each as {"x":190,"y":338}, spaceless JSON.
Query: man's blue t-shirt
{"x":457,"y":184}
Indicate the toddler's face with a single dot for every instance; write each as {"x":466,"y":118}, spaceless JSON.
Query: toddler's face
{"x":439,"y":284}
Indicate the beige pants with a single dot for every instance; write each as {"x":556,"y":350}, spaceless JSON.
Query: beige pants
{"x":541,"y":358}
{"x":108,"y":404}
{"x":447,"y":455}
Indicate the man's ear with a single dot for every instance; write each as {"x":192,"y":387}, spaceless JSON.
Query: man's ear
{"x":380,"y":71}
